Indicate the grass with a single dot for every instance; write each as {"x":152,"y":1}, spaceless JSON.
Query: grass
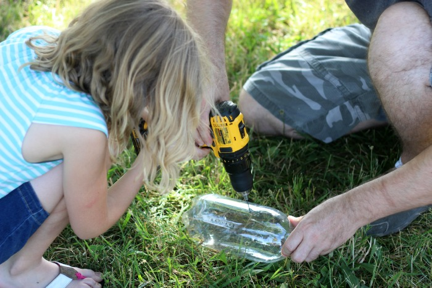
{"x":149,"y":246}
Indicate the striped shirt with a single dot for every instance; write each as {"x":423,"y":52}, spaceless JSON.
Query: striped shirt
{"x":28,"y":96}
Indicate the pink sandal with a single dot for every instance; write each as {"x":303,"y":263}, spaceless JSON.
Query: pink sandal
{"x":66,"y":275}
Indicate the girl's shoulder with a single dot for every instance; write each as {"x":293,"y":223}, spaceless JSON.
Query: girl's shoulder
{"x":14,"y":51}
{"x":23,"y":34}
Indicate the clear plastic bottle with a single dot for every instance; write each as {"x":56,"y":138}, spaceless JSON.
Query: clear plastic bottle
{"x":248,"y":230}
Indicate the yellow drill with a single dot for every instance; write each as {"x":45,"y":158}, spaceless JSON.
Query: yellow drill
{"x":230,"y":144}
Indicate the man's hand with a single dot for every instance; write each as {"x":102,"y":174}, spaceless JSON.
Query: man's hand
{"x":333,"y":222}
{"x":203,"y":136}
{"x":209,"y":18}
{"x":320,"y":231}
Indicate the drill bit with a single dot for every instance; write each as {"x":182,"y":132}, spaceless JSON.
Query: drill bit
{"x":246,"y":198}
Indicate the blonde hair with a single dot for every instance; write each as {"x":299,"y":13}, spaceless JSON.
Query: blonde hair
{"x":130,"y":55}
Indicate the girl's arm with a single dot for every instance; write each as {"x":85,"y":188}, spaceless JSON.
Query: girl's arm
{"x":92,"y":208}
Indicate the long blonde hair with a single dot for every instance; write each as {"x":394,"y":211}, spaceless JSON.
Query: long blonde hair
{"x":130,"y":55}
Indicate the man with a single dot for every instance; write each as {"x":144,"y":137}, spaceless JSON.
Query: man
{"x":323,"y":88}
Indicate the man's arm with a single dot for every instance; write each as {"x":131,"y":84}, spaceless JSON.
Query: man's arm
{"x":209,"y":18}
{"x":333,"y":222}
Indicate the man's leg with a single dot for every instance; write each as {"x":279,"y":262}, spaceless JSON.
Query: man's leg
{"x":319,"y":87}
{"x":400,"y":61}
{"x":28,"y":268}
{"x":264,"y":122}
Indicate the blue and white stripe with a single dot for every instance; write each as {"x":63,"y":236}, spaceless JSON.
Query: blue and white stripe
{"x":27,"y":97}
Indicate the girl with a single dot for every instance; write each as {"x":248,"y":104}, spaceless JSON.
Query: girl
{"x":68,"y":103}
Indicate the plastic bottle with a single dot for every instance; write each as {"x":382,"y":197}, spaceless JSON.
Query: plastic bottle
{"x":248,"y":230}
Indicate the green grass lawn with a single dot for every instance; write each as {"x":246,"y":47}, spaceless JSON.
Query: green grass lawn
{"x":149,"y":246}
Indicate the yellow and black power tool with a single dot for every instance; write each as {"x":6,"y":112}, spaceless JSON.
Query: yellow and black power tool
{"x":143,"y":130}
{"x":230,"y":144}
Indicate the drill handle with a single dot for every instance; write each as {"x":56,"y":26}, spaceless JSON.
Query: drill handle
{"x":143,"y":130}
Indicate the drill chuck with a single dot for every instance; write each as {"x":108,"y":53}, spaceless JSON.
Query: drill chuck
{"x":238,"y":167}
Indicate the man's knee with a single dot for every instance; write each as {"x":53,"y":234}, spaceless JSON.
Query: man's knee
{"x":254,"y":114}
{"x":398,"y":10}
{"x":399,"y":64}
{"x":248,"y":107}
{"x":261,"y":120}
{"x":397,"y":40}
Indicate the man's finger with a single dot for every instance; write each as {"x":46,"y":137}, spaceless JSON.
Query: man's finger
{"x":302,"y":252}
{"x":313,"y":254}
{"x":201,"y":153}
{"x":294,"y":220}
{"x":203,"y":136}
{"x":291,"y":244}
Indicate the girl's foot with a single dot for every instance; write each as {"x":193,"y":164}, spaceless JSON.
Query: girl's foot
{"x":75,"y":277}
{"x":48,"y":274}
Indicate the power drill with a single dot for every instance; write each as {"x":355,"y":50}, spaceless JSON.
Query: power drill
{"x":230,"y":143}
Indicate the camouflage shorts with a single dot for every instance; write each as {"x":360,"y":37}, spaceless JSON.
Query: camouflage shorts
{"x":320,"y":87}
